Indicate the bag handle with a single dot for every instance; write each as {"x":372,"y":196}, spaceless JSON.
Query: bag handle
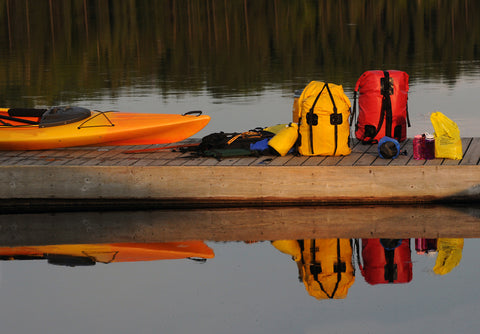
{"x":331,"y":98}
{"x":193,"y":112}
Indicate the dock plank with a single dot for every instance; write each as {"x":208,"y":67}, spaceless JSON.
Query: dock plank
{"x":465,"y":144}
{"x":314,"y":161}
{"x":368,"y":156}
{"x":116,"y":157}
{"x":209,"y":162}
{"x":19,"y":157}
{"x":178,"y":160}
{"x":12,"y":161}
{"x":245,"y":161}
{"x":331,"y":161}
{"x":42,"y":157}
{"x":434,"y":162}
{"x":101,"y":156}
{"x":405,"y":155}
{"x":71,"y":156}
{"x":362,"y":155}
{"x":281,"y":161}
{"x":227,"y":161}
{"x":471,"y":156}
{"x":358,"y":150}
{"x":194,"y":161}
{"x":263,"y":160}
{"x":413,"y":162}
{"x":296,"y":161}
{"x":158,"y":162}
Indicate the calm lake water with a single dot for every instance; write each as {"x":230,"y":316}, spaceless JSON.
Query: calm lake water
{"x":239,"y":62}
{"x":280,"y":286}
{"x":245,"y":288}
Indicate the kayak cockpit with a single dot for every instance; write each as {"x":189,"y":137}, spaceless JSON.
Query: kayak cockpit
{"x":43,"y":117}
{"x":63,"y":115}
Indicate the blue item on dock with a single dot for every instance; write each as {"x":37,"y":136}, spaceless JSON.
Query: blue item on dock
{"x":388,"y":148}
{"x":260,"y":146}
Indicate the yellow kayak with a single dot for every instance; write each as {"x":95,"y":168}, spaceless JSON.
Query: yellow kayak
{"x":39,"y":129}
{"x":89,"y":254}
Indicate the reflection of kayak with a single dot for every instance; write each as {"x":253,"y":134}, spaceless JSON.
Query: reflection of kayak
{"x":37,"y":129}
{"x":89,"y":254}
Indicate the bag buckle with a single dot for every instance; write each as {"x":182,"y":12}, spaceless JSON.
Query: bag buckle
{"x":336,"y":119}
{"x":386,"y":86}
{"x":312,"y":119}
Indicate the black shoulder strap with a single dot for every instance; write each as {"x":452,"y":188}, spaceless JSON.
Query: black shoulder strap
{"x":386,"y":109}
{"x":338,"y":269}
{"x":312,"y":118}
{"x":354,"y":112}
{"x":390,"y":274}
{"x":408,"y":117}
{"x":387,"y":104}
{"x":335,"y":118}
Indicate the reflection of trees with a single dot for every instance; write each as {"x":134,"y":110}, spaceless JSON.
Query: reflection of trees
{"x":239,"y":45}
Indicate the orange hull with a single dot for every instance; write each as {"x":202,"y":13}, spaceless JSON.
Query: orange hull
{"x":101,"y":129}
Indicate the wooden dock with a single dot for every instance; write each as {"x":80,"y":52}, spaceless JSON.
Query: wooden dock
{"x":91,"y":178}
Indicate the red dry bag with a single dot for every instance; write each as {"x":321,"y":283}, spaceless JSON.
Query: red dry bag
{"x":383,"y":107}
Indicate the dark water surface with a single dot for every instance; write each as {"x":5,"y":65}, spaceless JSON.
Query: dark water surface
{"x":238,"y":61}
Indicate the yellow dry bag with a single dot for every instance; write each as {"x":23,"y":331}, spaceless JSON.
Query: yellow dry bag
{"x":324,"y":127}
{"x":448,"y":143}
{"x":283,"y":141}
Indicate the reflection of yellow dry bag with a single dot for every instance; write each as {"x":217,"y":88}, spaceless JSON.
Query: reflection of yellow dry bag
{"x":448,"y":143}
{"x":325,"y":265}
{"x":449,"y":255}
{"x":283,"y":141}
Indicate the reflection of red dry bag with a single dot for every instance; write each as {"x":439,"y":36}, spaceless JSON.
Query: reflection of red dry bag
{"x":384,"y":265}
{"x":383,"y":106}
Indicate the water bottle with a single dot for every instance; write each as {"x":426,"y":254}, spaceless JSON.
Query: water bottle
{"x":418,"y":147}
{"x":425,"y":246}
{"x":429,"y":151}
{"x":420,"y":245}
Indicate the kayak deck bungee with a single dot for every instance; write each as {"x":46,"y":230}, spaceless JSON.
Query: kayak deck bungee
{"x":37,"y":129}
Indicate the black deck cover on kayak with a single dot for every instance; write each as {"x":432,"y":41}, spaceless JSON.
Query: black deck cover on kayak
{"x":63,"y":115}
{"x":26,"y":112}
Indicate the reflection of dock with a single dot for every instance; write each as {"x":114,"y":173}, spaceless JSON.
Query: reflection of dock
{"x":105,"y":177}
{"x":240,"y":224}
